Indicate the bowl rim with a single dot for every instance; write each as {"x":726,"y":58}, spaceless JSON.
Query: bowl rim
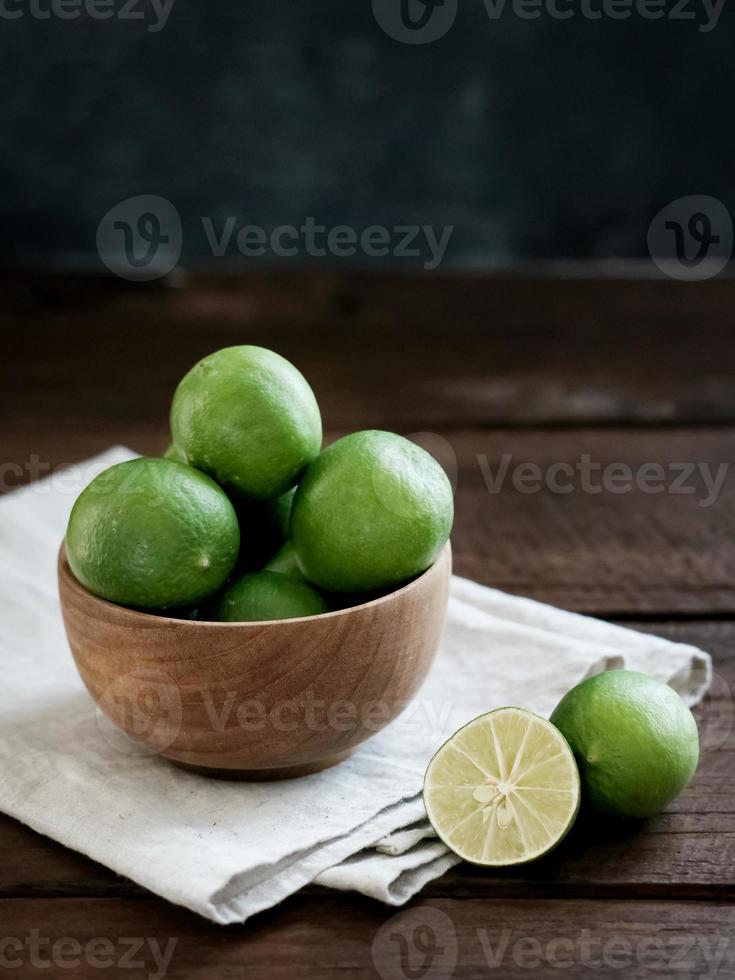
{"x":65,"y":571}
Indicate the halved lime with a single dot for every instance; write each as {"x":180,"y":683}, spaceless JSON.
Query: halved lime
{"x":504,"y":789}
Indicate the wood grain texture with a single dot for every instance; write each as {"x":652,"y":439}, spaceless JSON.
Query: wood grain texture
{"x":380,"y":351}
{"x":345,"y":936}
{"x":604,"y":545}
{"x":257,"y":700}
{"x":546,"y":370}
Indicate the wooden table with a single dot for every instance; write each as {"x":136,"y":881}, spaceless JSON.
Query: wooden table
{"x":544,"y":370}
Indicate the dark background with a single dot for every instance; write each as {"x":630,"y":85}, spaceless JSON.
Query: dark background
{"x":536,"y":139}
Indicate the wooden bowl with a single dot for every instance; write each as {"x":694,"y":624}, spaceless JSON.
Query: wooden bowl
{"x":256,"y":700}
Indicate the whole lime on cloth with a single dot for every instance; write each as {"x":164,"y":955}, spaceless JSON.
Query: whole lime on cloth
{"x":247,"y":417}
{"x":262,"y":596}
{"x":371,"y":511}
{"x":153,"y":534}
{"x":635,"y":741}
{"x":504,"y":789}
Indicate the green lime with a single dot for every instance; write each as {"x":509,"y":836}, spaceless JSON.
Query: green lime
{"x":504,"y":789}
{"x":262,"y":596}
{"x":635,"y":741}
{"x":247,"y":417}
{"x":173,"y":452}
{"x":264,"y":524}
{"x":154,"y":534}
{"x":280,"y":513}
{"x":285,"y":561}
{"x":372,"y":511}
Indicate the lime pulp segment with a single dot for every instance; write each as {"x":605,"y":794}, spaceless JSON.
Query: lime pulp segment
{"x":504,"y":789}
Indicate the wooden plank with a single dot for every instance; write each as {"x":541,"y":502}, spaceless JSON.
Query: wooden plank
{"x":382,"y":352}
{"x":609,"y":545}
{"x":341,"y":936}
{"x":596,"y":550}
{"x":455,"y":356}
{"x":686,"y":852}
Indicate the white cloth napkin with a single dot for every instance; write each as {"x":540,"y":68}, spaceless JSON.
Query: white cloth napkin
{"x":229,"y":849}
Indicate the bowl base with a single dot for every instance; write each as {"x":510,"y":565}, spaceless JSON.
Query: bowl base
{"x":265,"y":775}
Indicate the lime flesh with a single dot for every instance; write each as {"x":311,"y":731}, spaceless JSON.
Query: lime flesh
{"x":504,"y":789}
